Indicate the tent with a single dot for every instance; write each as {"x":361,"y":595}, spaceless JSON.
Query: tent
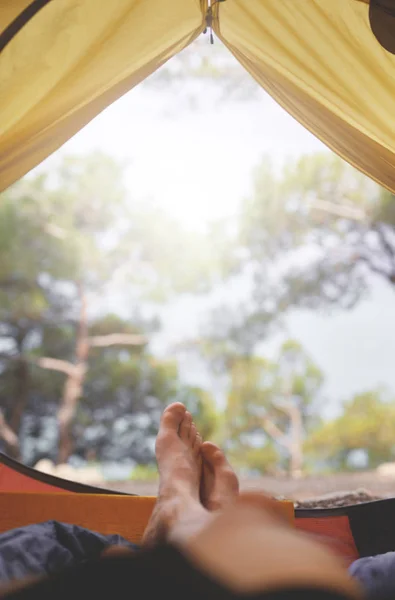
{"x":27,"y":496}
{"x":330,"y":64}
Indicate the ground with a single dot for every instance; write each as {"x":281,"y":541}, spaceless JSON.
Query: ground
{"x":324,"y":491}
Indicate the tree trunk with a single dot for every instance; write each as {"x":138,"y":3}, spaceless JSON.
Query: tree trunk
{"x":10,"y":438}
{"x":11,"y":430}
{"x":21,"y":395}
{"x":296,"y":442}
{"x":73,"y":386}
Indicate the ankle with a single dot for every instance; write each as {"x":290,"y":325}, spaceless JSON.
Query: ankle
{"x":178,"y":490}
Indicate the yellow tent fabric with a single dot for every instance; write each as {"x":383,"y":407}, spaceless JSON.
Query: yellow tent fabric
{"x":71,"y":60}
{"x":318,"y":58}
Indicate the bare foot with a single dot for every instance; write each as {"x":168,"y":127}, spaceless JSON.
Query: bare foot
{"x":219,"y":484}
{"x":180,"y":467}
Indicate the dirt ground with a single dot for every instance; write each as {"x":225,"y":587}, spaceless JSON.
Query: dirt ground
{"x":324,"y":491}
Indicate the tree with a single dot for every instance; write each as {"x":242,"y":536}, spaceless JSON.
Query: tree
{"x":249,"y":460}
{"x":206,"y":415}
{"x":70,"y":238}
{"x":367,"y":425}
{"x":317,"y":233}
{"x":31,"y":263}
{"x":51,"y":247}
{"x":9,"y":436}
{"x":125,"y":391}
{"x":273,"y":401}
{"x":76,"y":371}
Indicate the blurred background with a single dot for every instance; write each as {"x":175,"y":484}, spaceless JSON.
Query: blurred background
{"x":194,"y":243}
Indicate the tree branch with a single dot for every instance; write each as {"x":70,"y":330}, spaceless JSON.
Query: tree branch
{"x":380,"y":230}
{"x":284,"y":407}
{"x":55,"y":231}
{"x":62,"y":366}
{"x":375,"y":268}
{"x":275,"y":432}
{"x":114,"y":339}
{"x":337,"y":210}
{"x":6,"y":356}
{"x":7,"y":434}
{"x":53,"y":364}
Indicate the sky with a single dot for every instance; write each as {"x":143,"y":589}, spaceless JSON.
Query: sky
{"x":199,"y":165}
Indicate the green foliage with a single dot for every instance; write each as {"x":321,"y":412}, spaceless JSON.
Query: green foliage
{"x":72,"y":226}
{"x":76,"y":223}
{"x":201,"y":404}
{"x":125,"y":392}
{"x":269,"y":402}
{"x":321,"y":226}
{"x":265,"y":383}
{"x":144,"y":473}
{"x":367,"y":423}
{"x":263,"y":459}
{"x":309,"y":236}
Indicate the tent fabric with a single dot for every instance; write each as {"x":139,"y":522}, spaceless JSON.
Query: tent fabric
{"x":321,"y":61}
{"x":336,"y":529}
{"x":353,"y":532}
{"x":16,"y":477}
{"x":71,"y":59}
{"x":66,"y":61}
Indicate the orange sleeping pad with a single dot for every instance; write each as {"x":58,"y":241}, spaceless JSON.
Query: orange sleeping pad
{"x":27,"y":497}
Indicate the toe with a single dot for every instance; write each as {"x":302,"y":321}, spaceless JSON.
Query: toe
{"x":198,"y":444}
{"x":185,"y":427}
{"x":192,"y":434}
{"x":213,"y":455}
{"x":173,"y":415}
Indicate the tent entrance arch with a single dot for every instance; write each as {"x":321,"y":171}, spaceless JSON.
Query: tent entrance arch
{"x":329,"y":64}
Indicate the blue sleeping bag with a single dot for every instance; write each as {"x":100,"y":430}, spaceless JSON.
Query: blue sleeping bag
{"x":376,"y":575}
{"x":47,"y":548}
